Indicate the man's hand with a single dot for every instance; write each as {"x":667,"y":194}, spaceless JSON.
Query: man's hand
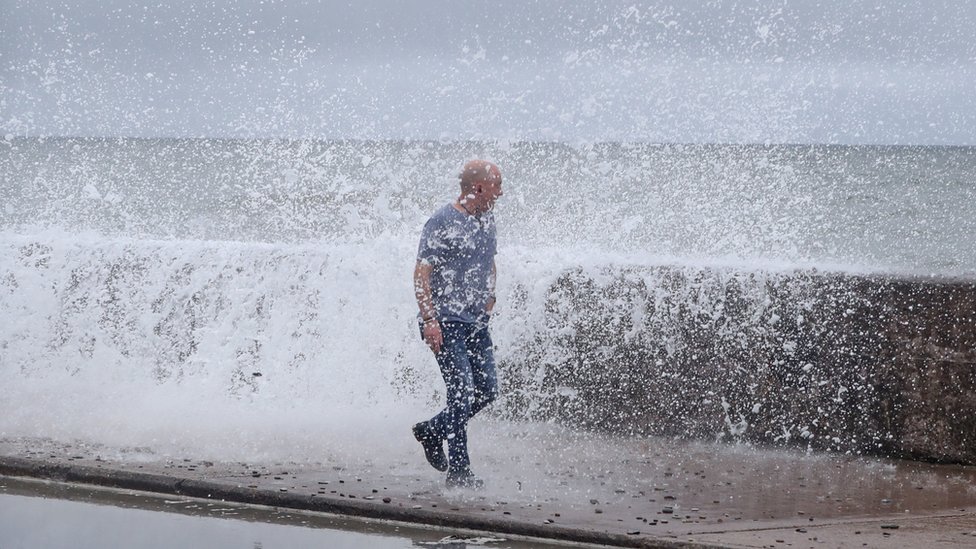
{"x":433,"y":335}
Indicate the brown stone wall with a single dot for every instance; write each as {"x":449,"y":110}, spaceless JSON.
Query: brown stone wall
{"x":860,"y":364}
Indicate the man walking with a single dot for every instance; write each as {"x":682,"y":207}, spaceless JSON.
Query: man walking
{"x":454,"y":282}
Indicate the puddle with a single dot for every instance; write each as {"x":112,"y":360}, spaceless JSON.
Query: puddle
{"x":52,"y":515}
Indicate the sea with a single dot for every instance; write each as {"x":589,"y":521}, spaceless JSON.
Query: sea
{"x":235,"y":299}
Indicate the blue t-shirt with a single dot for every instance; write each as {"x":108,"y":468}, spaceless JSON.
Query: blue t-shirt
{"x":461,"y":249}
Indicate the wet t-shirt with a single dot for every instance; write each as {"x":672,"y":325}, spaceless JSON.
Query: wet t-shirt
{"x":461,"y":248}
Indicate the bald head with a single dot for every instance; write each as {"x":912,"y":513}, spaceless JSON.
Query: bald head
{"x":478,"y":171}
{"x":481,"y":185}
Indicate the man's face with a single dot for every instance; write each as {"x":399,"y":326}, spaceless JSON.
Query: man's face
{"x":490,"y":192}
{"x":491,"y":188}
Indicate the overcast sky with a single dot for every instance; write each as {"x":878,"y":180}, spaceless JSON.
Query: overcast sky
{"x":828,"y":71}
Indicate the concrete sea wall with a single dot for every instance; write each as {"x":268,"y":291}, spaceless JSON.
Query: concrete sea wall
{"x":829,"y":361}
{"x":837,"y":362}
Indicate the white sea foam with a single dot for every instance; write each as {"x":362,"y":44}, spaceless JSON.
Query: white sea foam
{"x":219,"y":347}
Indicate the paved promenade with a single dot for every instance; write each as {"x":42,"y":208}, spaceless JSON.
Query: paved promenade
{"x":565,"y":485}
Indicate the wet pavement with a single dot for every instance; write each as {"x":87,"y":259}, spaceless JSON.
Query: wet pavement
{"x":556,"y":483}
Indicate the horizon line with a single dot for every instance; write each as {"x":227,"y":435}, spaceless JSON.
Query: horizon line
{"x":9,"y":138}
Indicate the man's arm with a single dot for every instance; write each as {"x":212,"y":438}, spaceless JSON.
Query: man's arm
{"x":491,"y":299}
{"x":425,"y":300}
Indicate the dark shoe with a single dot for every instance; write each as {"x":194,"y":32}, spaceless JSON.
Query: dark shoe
{"x":464,"y":479}
{"x":433,"y":446}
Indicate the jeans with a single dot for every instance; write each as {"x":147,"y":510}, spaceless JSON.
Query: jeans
{"x":468,"y":366}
